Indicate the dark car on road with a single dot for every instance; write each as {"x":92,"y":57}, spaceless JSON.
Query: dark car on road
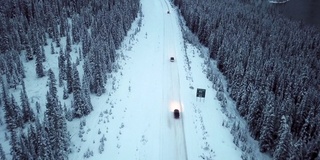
{"x":176,"y":113}
{"x":171,"y":59}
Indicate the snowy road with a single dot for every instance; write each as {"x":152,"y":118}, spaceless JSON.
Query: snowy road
{"x":173,"y":143}
{"x":155,"y":90}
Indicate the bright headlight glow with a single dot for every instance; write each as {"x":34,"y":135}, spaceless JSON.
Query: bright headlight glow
{"x":174,"y":105}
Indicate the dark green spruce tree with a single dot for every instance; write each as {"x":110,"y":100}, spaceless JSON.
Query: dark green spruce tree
{"x":13,"y":114}
{"x":39,"y":65}
{"x":283,"y":148}
{"x":69,"y":75}
{"x":56,"y":122}
{"x":28,"y":114}
{"x":62,"y":68}
{"x":16,"y":146}
{"x":266,"y":138}
{"x":81,"y":106}
{"x":2,"y":154}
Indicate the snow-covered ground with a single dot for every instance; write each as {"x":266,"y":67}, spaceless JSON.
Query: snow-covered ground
{"x":134,"y":118}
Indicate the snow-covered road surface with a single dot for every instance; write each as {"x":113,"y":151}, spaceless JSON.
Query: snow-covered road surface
{"x":172,"y":135}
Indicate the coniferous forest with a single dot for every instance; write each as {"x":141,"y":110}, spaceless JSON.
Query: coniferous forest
{"x":271,"y":64}
{"x":272,"y":67}
{"x":25,"y":27}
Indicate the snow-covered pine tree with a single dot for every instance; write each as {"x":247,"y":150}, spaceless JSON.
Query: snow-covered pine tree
{"x":33,"y":143}
{"x":56,"y":35}
{"x":87,"y":75}
{"x":18,"y":65}
{"x":55,"y":122}
{"x":242,"y":102}
{"x":22,"y":32}
{"x":2,"y":154}
{"x":117,"y":36}
{"x":63,"y":22}
{"x":46,"y":150}
{"x":80,"y":54}
{"x":39,"y":65}
{"x":81,"y":107}
{"x":39,"y":138}
{"x":38,"y":107}
{"x":101,"y":146}
{"x":50,"y":125}
{"x":28,"y":114}
{"x":254,"y":117}
{"x":52,"y":48}
{"x":62,"y":68}
{"x":5,"y":39}
{"x":13,"y":114}
{"x":68,"y":45}
{"x":86,"y":91}
{"x":65,"y":93}
{"x":43,"y":55}
{"x":29,"y":53}
{"x":2,"y":65}
{"x":69,"y":74}
{"x":5,"y":97}
{"x":283,"y":148}
{"x":266,"y":138}
{"x":52,"y":84}
{"x":12,"y":70}
{"x":16,"y":146}
{"x":62,"y":135}
{"x":76,"y":28}
{"x":25,"y":146}
{"x":51,"y":22}
{"x":86,"y":44}
{"x":97,"y":83}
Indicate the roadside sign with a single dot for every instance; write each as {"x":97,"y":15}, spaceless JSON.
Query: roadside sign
{"x":201,"y":93}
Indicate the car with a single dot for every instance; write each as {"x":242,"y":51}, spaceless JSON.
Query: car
{"x":168,"y":12}
{"x":176,"y":113}
{"x":171,"y":59}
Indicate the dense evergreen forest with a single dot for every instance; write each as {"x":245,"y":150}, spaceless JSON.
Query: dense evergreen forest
{"x":25,"y":27}
{"x":272,"y":67}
